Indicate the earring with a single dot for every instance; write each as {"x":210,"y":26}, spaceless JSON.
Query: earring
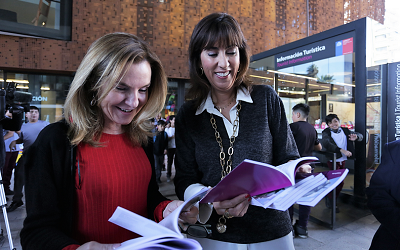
{"x":238,"y":70}
{"x":202,"y":72}
{"x":93,"y":102}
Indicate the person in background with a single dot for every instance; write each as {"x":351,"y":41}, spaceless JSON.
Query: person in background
{"x":171,"y":146}
{"x":384,"y":198}
{"x":155,"y":121}
{"x":28,"y":135}
{"x":160,"y":148}
{"x":339,"y":140}
{"x":80,"y":169}
{"x":227,"y":120}
{"x":11,"y":157}
{"x":306,"y":138}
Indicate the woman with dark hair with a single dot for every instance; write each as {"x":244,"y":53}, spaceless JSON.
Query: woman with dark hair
{"x":79,"y":170}
{"x":226,"y":121}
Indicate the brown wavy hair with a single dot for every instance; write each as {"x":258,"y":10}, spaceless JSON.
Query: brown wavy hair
{"x":215,"y":29}
{"x":105,"y":64}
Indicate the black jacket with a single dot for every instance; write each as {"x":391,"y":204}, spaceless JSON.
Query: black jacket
{"x":160,"y":143}
{"x":329,"y":144}
{"x":50,"y":190}
{"x":384,"y":199}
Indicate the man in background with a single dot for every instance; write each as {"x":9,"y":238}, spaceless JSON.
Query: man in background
{"x":11,"y":157}
{"x":306,"y":138}
{"x":28,"y":134}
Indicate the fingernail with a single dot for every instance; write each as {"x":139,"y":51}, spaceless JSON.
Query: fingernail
{"x":247,"y":196}
{"x":249,"y":199}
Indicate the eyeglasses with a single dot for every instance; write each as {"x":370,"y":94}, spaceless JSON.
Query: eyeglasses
{"x":197,"y":230}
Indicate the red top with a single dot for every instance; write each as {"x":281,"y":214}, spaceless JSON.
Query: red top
{"x":116,"y":174}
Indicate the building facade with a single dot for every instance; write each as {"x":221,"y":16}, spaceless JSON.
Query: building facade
{"x":43,"y":42}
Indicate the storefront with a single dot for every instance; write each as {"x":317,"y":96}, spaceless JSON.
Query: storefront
{"x":334,"y":72}
{"x":49,"y":92}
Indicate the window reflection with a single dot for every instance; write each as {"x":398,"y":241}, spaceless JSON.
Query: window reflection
{"x":43,"y":13}
{"x":46,"y":18}
{"x":48,"y":92}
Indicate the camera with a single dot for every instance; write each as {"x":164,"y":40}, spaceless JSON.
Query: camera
{"x":15,"y":101}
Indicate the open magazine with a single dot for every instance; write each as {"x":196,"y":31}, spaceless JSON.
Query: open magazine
{"x":254,"y":178}
{"x":163,"y":235}
{"x":276,"y":187}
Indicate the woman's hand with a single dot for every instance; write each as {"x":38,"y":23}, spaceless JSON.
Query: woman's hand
{"x":186,"y":216}
{"x":236,"y":207}
{"x":305,"y":168}
{"x":93,"y":245}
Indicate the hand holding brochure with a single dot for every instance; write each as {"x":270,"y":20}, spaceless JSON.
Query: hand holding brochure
{"x":255,"y":178}
{"x":163,"y":235}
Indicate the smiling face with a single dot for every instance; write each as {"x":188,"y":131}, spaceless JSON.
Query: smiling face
{"x":335,"y":124}
{"x":220,"y":66}
{"x":126,"y":100}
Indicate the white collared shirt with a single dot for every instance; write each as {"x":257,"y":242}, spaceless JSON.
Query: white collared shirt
{"x":208,"y":105}
{"x":205,"y":210}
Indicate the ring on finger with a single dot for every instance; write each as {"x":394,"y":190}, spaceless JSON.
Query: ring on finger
{"x":227,"y":215}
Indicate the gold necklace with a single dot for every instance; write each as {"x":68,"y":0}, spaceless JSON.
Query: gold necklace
{"x":222,"y":108}
{"x":221,"y":227}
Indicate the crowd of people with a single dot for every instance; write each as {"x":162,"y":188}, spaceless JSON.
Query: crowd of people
{"x":110,"y":148}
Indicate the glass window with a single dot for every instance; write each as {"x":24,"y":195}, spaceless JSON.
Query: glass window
{"x":48,"y":92}
{"x":170,"y":107}
{"x":374,"y":117}
{"x":39,"y":18}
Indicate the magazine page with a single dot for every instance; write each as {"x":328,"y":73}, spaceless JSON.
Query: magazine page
{"x":334,"y":178}
{"x":255,"y":178}
{"x":151,"y":243}
{"x":267,"y":199}
{"x":171,"y":221}
{"x":141,"y":225}
{"x":291,"y":167}
{"x":163,"y":235}
{"x":297,"y":191}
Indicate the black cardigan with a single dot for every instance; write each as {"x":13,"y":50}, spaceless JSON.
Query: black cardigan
{"x":330,"y":145}
{"x":264,"y":135}
{"x":50,"y":190}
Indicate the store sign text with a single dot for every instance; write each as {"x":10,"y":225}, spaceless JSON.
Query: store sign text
{"x":39,"y":98}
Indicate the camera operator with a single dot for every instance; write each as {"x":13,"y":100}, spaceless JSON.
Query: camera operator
{"x":29,"y":132}
{"x":12,"y":124}
{"x":16,"y":102}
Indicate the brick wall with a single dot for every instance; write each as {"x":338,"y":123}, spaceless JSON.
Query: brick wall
{"x":167,"y":25}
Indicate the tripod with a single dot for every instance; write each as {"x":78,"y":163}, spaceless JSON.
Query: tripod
{"x":3,"y":204}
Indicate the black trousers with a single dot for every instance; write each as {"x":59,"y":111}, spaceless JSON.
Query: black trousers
{"x":19,"y":179}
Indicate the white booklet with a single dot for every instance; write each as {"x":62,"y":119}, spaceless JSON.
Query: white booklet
{"x":284,"y":198}
{"x":163,"y":235}
{"x":334,"y":178}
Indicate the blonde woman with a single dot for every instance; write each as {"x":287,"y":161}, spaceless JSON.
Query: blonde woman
{"x":100,"y":157}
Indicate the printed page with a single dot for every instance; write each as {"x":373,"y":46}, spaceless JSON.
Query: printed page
{"x":152,"y":243}
{"x":297,"y":191}
{"x":171,"y":221}
{"x":314,"y":196}
{"x":268,"y":200}
{"x":254,"y":178}
{"x":290,"y":167}
{"x":249,"y":177}
{"x":141,"y":225}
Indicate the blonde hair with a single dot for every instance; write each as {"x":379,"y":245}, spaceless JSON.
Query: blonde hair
{"x":100,"y":71}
